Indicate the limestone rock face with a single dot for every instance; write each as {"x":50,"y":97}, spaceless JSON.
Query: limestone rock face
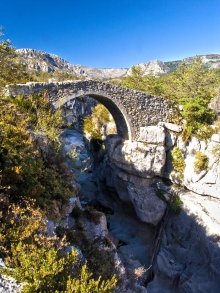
{"x":152,"y":135}
{"x":158,"y":68}
{"x":42,"y":61}
{"x":171,"y":126}
{"x":206,"y":182}
{"x":189,"y":257}
{"x":155,"y":67}
{"x":131,"y":168}
{"x":137,"y":158}
{"x":136,"y":192}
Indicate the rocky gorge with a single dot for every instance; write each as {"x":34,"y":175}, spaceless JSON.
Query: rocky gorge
{"x":176,"y":250}
{"x":158,"y":245}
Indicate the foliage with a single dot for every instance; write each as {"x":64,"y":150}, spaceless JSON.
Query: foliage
{"x":136,"y":79}
{"x":93,"y":123}
{"x":32,"y":165}
{"x":177,"y":161}
{"x":85,"y":284}
{"x":11,"y":69}
{"x":201,"y":162}
{"x":175,"y":205}
{"x":99,"y":261}
{"x":30,"y":161}
{"x":191,"y":82}
{"x":92,"y":214}
{"x":57,"y":76}
{"x":192,"y":87}
{"x":198,"y":117}
{"x":39,"y":260}
{"x":41,"y":116}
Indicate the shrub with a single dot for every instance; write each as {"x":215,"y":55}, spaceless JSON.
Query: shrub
{"x":92,"y":214}
{"x":177,"y":161}
{"x":32,"y":164}
{"x":175,"y":205}
{"x":86,"y":284}
{"x":39,"y":260}
{"x":93,"y":123}
{"x":201,"y":163}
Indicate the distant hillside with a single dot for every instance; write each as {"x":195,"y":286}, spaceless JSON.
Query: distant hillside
{"x":157,"y":67}
{"x":41,"y":61}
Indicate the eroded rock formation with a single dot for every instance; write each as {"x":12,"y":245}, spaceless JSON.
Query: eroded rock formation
{"x":189,"y":255}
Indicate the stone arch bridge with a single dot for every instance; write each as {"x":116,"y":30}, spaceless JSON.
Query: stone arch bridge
{"x":130,"y":109}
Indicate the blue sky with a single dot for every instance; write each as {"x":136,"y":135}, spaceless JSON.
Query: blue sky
{"x":114,"y":33}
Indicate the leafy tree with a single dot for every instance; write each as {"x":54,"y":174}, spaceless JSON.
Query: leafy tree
{"x":192,"y":87}
{"x":191,"y":82}
{"x":31,"y":166}
{"x":136,"y":79}
{"x":11,"y":68}
{"x":41,"y":115}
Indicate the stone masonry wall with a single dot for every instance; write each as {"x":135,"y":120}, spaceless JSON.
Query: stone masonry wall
{"x":130,"y":109}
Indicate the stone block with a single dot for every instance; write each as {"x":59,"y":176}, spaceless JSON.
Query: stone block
{"x":152,"y":134}
{"x":171,"y":126}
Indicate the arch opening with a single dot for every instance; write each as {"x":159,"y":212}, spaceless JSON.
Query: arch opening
{"x":117,"y":111}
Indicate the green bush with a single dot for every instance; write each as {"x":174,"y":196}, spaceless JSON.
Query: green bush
{"x":93,"y":123}
{"x":192,"y":87}
{"x":30,"y":156}
{"x":38,"y":260}
{"x":177,"y":161}
{"x":175,"y":205}
{"x":201,"y":163}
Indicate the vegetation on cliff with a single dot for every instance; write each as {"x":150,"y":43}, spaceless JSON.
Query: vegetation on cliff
{"x":34,"y":185}
{"x":40,"y":260}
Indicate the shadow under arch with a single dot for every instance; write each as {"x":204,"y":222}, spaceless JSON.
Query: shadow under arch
{"x":117,"y":110}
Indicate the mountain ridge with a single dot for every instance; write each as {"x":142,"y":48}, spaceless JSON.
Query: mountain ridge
{"x":37,"y":60}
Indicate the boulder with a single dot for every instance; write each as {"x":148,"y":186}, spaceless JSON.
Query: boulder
{"x":149,"y":208}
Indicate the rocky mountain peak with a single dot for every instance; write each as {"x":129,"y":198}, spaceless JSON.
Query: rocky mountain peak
{"x":42,"y":61}
{"x":156,"y":67}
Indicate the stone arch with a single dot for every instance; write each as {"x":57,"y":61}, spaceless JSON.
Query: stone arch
{"x":130,"y":109}
{"x":117,"y":111}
